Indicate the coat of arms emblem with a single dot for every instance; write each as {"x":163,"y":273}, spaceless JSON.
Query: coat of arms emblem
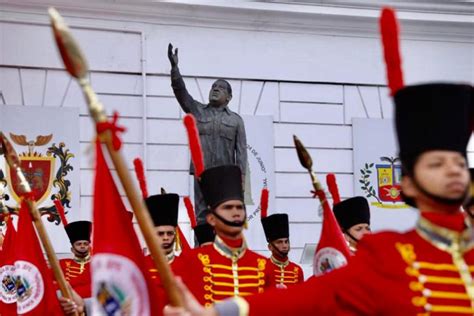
{"x":388,"y":177}
{"x":44,"y":173}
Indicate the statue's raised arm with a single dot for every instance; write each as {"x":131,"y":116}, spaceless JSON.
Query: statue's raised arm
{"x":185,"y":100}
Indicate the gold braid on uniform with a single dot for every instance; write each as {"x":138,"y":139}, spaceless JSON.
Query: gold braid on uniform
{"x":281,"y":275}
{"x":456,"y":244}
{"x":226,"y":280}
{"x":73,"y":271}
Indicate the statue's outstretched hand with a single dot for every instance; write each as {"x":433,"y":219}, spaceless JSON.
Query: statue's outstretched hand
{"x":173,"y":57}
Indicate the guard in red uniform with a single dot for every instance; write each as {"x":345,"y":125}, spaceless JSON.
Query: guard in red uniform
{"x":284,"y":273}
{"x":353,"y":216}
{"x":226,"y":268}
{"x":425,"y":271}
{"x":163,"y":210}
{"x":77,"y":270}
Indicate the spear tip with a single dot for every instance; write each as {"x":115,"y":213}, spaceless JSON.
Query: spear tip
{"x":303,"y":155}
{"x":71,"y":54}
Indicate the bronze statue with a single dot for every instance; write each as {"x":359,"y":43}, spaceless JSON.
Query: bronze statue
{"x":221,"y":131}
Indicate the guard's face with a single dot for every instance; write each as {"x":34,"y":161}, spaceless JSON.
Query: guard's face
{"x":166,"y":237}
{"x":440,"y":173}
{"x":358,"y":231}
{"x":219,"y":95}
{"x":233,"y":211}
{"x":282,"y":245}
{"x":81,"y":248}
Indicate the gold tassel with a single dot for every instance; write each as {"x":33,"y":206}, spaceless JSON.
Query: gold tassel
{"x":177,"y":240}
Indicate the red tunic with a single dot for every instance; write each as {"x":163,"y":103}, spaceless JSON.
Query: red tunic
{"x":425,"y":271}
{"x":155,"y":276}
{"x":153,"y":272}
{"x":284,"y":272}
{"x":78,"y":274}
{"x":217,"y":271}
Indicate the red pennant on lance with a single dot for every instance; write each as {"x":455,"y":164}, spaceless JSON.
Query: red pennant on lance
{"x":391,"y":50}
{"x":332,"y":187}
{"x":264,"y":203}
{"x":332,"y":251}
{"x":140,"y":173}
{"x":36,"y":293}
{"x":7,"y":269}
{"x":190,"y":210}
{"x":119,"y":277}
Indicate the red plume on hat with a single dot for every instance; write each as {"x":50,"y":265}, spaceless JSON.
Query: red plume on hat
{"x":190,"y":209}
{"x":60,"y":209}
{"x":194,"y":144}
{"x":390,"y":42}
{"x":332,"y":187}
{"x":140,"y":173}
{"x":264,"y":203}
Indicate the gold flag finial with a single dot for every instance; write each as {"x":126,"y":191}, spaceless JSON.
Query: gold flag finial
{"x":303,"y":155}
{"x":306,"y":161}
{"x":71,"y":54}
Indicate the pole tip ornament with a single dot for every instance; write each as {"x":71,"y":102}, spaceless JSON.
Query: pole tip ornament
{"x":73,"y":59}
{"x":303,"y":155}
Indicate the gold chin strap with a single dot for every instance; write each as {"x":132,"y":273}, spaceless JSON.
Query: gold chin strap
{"x":177,"y":240}
{"x":246,"y":224}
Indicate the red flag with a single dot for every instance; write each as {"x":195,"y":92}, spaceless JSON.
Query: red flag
{"x":332,"y":251}
{"x":36,"y":293}
{"x":119,"y":275}
{"x":7,"y":269}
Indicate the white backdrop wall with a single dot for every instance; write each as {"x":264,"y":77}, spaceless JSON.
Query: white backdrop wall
{"x":312,"y":71}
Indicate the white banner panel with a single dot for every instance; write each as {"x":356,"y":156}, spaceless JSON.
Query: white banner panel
{"x":47,"y":140}
{"x":377,"y":174}
{"x":260,"y":174}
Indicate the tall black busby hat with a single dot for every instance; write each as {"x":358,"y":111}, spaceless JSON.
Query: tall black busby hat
{"x":80,"y":230}
{"x":276,"y":226}
{"x":204,"y":233}
{"x":352,"y":211}
{"x":432,"y":117}
{"x":163,"y":209}
{"x":221,"y":184}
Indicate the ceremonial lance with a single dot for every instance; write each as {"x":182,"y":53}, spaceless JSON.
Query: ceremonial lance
{"x":13,"y":162}
{"x":76,"y":65}
{"x":307,"y":163}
